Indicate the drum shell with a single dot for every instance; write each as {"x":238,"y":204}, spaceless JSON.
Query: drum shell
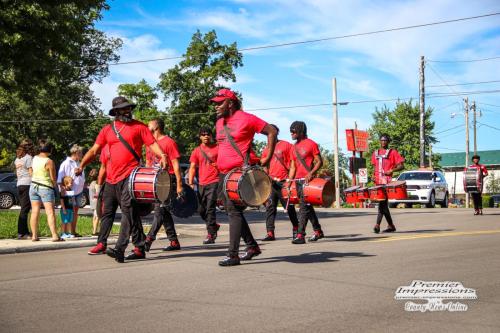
{"x":319,"y":191}
{"x":238,"y":182}
{"x":150,"y":185}
{"x":362,"y":193}
{"x":396,"y":190}
{"x":473,"y":180}
{"x":377,"y":193}
{"x":289,"y":192}
{"x":351,"y":195}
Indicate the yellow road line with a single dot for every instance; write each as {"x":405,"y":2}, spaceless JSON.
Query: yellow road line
{"x":440,"y":234}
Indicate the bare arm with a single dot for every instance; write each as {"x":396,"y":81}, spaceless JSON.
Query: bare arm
{"x":293,"y":168}
{"x":398,"y":167}
{"x":272,"y":134}
{"x":102,"y":174}
{"x":317,"y":163}
{"x":192,"y":172}
{"x":52,"y":171}
{"x":155,"y":148}
{"x":177,"y":172}
{"x":88,"y":158}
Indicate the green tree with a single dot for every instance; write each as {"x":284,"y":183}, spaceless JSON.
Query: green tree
{"x":493,"y":184}
{"x":191,"y":83}
{"x":51,"y":53}
{"x":403,"y":126}
{"x":144,"y":96}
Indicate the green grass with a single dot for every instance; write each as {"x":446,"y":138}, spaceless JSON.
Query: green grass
{"x":8,"y":225}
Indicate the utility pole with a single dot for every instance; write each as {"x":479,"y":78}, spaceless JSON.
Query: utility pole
{"x":473,"y":107}
{"x":336,"y":143}
{"x":466,"y":100}
{"x":422,"y":112}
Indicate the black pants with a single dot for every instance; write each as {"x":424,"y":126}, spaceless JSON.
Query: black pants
{"x":272,"y":205}
{"x":383,"y":210}
{"x":207,"y":197}
{"x":478,"y":200}
{"x":115,"y":195}
{"x":163,"y":217}
{"x":238,"y":225}
{"x":24,"y":200}
{"x":306,"y":212}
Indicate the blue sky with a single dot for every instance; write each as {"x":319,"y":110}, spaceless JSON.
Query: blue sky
{"x":382,"y":66}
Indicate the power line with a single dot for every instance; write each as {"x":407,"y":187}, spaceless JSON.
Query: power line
{"x":448,"y":148}
{"x":468,"y":60}
{"x":325,"y":39}
{"x":497,"y":106}
{"x":460,"y":93}
{"x":461,"y":84}
{"x":449,"y":129}
{"x":493,"y":127}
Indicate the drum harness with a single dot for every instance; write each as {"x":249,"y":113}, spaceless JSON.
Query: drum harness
{"x":380,"y":159}
{"x":304,"y":164}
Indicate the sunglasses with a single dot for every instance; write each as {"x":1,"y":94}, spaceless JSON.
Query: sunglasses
{"x":293,"y":131}
{"x":204,"y":134}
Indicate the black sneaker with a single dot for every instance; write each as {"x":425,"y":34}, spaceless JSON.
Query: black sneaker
{"x":230,"y":261}
{"x":147,"y":244}
{"x":118,"y":255}
{"x":174,"y":246}
{"x":251,"y":252}
{"x":299,"y":239}
{"x":294,"y":233}
{"x":391,"y":228}
{"x":209,"y":240}
{"x":136,"y":254}
{"x":269,"y":237}
{"x":376,"y":228}
{"x":318,"y":234}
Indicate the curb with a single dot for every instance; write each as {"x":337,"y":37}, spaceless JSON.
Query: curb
{"x":52,"y":246}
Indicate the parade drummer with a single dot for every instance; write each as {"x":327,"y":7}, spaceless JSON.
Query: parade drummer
{"x":385,"y":161}
{"x":235,"y":131}
{"x":124,"y":157}
{"x":308,"y":161}
{"x":279,"y":170}
{"x":476,"y":196}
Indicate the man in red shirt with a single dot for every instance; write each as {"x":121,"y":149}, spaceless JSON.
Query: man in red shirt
{"x":308,"y":161}
{"x":241,"y":127}
{"x":204,"y":157}
{"x":119,"y":166}
{"x":279,"y":170}
{"x":162,"y":214}
{"x":476,"y":196}
{"x":385,"y":162}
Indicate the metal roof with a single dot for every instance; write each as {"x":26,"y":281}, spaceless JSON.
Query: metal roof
{"x":488,"y":157}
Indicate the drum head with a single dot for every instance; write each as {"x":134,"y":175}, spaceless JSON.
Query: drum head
{"x":163,"y":186}
{"x":328,"y":194}
{"x":255,"y":187}
{"x":396,"y":183}
{"x":186,"y":205}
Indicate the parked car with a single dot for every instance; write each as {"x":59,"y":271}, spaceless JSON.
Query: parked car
{"x":496,"y":200}
{"x":424,"y":187}
{"x":9,"y":196}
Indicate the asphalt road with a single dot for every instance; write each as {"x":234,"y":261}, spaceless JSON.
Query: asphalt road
{"x":345,"y":282}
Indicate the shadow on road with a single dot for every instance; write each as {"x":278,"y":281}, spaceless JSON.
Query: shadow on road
{"x":312,"y":257}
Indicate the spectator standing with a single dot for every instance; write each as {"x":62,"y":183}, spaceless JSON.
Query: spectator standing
{"x":42,"y":190}
{"x":23,"y":163}
{"x":67,"y":204}
{"x":67,"y":168}
{"x":94,"y":189}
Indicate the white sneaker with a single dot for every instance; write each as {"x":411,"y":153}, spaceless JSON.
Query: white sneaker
{"x":64,"y":236}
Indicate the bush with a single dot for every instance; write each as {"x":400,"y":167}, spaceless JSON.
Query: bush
{"x":487,"y":201}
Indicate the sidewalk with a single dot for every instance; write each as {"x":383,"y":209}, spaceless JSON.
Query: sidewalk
{"x":9,"y":246}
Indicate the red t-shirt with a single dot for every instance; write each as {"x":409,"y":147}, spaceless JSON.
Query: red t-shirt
{"x":393,"y":159}
{"x":104,"y":155}
{"x":169,"y":147}
{"x":207,"y":169}
{"x":307,"y":148}
{"x":121,"y":162}
{"x":484,"y":172}
{"x":280,"y":163}
{"x":242,"y":127}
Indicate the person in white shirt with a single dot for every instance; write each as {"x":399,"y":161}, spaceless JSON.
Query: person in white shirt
{"x":23,"y":163}
{"x":67,"y":168}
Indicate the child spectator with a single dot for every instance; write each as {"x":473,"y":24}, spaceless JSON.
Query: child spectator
{"x":67,"y":205}
{"x":94,"y":189}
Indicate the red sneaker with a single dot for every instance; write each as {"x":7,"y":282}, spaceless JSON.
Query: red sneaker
{"x":100,"y":248}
